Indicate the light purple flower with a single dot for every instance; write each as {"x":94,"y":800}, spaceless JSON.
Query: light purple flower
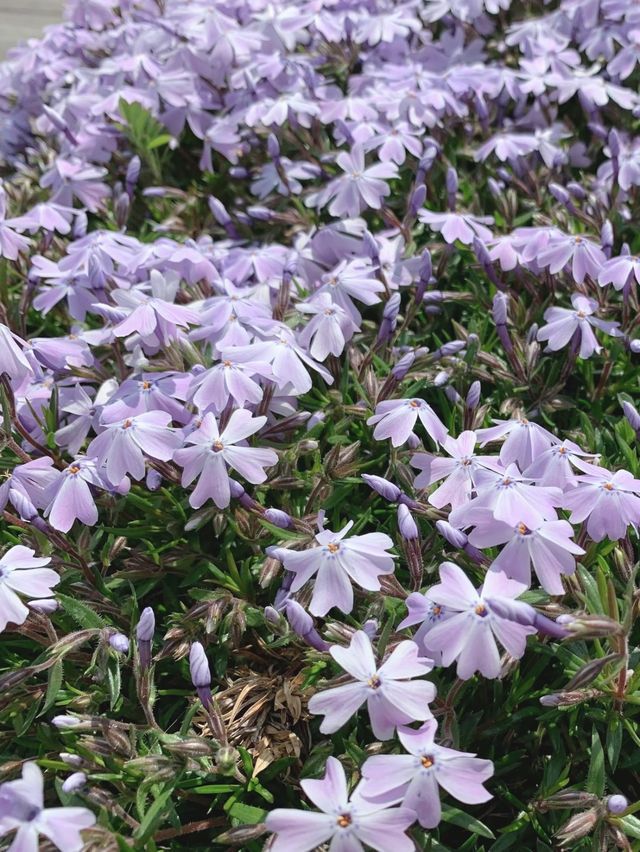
{"x":549,"y":547}
{"x":470,"y":635}
{"x":396,"y":418}
{"x":335,"y":563}
{"x":347,"y":824}
{"x":511,"y":498}
{"x":69,"y":497}
{"x":155,"y":313}
{"x":458,"y":226}
{"x":414,"y":778}
{"x":23,"y":573}
{"x":213,"y":453}
{"x":620,"y":271}
{"x":123,"y":445}
{"x":360,"y":187}
{"x":22,"y":809}
{"x":554,"y":465}
{"x":13,"y":360}
{"x":563,"y":323}
{"x":457,"y":471}
{"x":329,"y":329}
{"x":525,"y":440}
{"x":609,"y":502}
{"x":585,"y":256}
{"x":232,"y":378}
{"x":392,"y":697}
{"x":427,"y":614}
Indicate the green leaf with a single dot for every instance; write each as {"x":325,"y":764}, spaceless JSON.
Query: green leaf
{"x":53,"y":686}
{"x":595,"y":777}
{"x":160,"y":140}
{"x":154,"y":815}
{"x":630,"y":825}
{"x":247,"y":814}
{"x":463,"y":820}
{"x":614,"y":742}
{"x":81,"y":613}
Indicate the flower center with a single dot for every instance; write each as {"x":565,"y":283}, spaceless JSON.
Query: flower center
{"x":523,"y":529}
{"x":427,"y":761}
{"x":217,"y":446}
{"x":333,"y":548}
{"x":480,"y":609}
{"x":146,"y":385}
{"x":127,"y":424}
{"x":436,"y":610}
{"x":581,"y":314}
{"x":374,"y":682}
{"x":227,"y":364}
{"x":608,"y":486}
{"x":329,"y":312}
{"x":506,"y":482}
{"x":415,"y":403}
{"x":73,"y":470}
{"x":344,"y":820}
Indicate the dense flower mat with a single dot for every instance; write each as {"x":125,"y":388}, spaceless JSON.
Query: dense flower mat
{"x":318,"y":362}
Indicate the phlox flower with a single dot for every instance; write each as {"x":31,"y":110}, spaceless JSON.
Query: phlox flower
{"x":396,"y":418}
{"x":22,"y":809}
{"x":392,"y":697}
{"x":563,"y":323}
{"x":31,"y":479}
{"x":414,"y":778}
{"x":289,"y":363}
{"x":457,"y":471}
{"x":213,"y":453}
{"x":328,"y":330}
{"x":123,"y":445}
{"x":470,"y":635}
{"x":458,"y":226}
{"x":427,"y":614}
{"x":155,"y":313}
{"x":347,"y":824}
{"x":620,"y":271}
{"x":524,"y":440}
{"x":69,"y":497}
{"x":336,"y":562}
{"x":549,"y":547}
{"x":23,"y":573}
{"x":585,"y":256}
{"x":13,"y":360}
{"x":554,"y":466}
{"x":232,"y":378}
{"x":511,"y":499}
{"x":359,"y":187}
{"x":352,"y":279}
{"x":609,"y":502}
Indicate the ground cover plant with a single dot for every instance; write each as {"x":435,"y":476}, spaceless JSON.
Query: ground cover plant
{"x":318,"y":370}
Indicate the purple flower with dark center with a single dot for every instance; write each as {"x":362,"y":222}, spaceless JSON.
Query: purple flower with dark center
{"x":232,"y":378}
{"x":347,"y":824}
{"x":396,"y":419}
{"x":155,"y":313}
{"x":609,"y":502}
{"x":22,"y":809}
{"x":213,"y":453}
{"x":470,"y":635}
{"x":554,"y":465}
{"x":392,"y":697}
{"x":457,"y":471}
{"x":23,"y":573}
{"x":413,"y":779}
{"x":122,"y":446}
{"x":69,"y":497}
{"x":549,"y":547}
{"x":335,"y":563}
{"x":563,"y":323}
{"x":427,"y":614}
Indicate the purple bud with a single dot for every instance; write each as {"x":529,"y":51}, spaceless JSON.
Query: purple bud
{"x":473,"y":395}
{"x":504,"y":175}
{"x":66,"y":722}
{"x":383,"y":487}
{"x":577,"y":190}
{"x":54,"y":117}
{"x":146,"y":625}
{"x":400,"y":370}
{"x":271,"y":615}
{"x":416,"y":199}
{"x":262,"y":214}
{"x":451,"y":181}
{"x":495,"y":188}
{"x":617,"y":804}
{"x":238,"y":172}
{"x":299,"y":619}
{"x":370,"y":246}
{"x":560,"y":193}
{"x":119,"y":642}
{"x":392,"y":308}
{"x":199,"y":667}
{"x":273,"y":146}
{"x":606,"y":236}
{"x":516,"y":611}
{"x":71,"y":759}
{"x":441,"y":379}
{"x":153,"y":479}
{"x":614,"y":143}
{"x":74,"y":782}
{"x":236,"y":489}
{"x":278,"y":518}
{"x":452,"y":395}
{"x":634,"y":345}
{"x":499,"y":309}
{"x":413,"y":441}
{"x":631,"y":413}
{"x":133,"y":173}
{"x":456,"y":538}
{"x":219,"y":211}
{"x":22,"y":504}
{"x":450,"y":348}
{"x":406,"y":524}
{"x":370,"y":627}
{"x":80,"y":225}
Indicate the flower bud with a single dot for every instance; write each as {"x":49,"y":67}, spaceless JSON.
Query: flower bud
{"x":133,"y":173}
{"x":383,"y":487}
{"x":456,"y":538}
{"x":400,"y":370}
{"x":278,"y":518}
{"x":146,"y":625}
{"x":406,"y":524}
{"x":71,"y":759}
{"x":273,"y":146}
{"x":473,"y":395}
{"x":199,"y":667}
{"x":44,"y":605}
{"x":631,"y":413}
{"x":64,"y":721}
{"x":74,"y":782}
{"x":617,"y":804}
{"x":119,"y":642}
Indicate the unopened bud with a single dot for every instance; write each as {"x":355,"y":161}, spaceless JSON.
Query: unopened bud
{"x":383,"y":487}
{"x":119,"y":642}
{"x":278,"y":518}
{"x":617,"y":804}
{"x":74,"y":782}
{"x":406,"y":524}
